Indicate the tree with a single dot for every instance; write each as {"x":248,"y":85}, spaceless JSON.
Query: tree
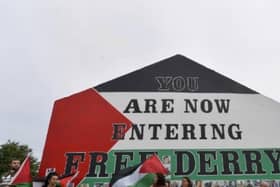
{"x":15,"y":150}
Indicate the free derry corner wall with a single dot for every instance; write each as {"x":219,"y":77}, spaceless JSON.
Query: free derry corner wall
{"x":199,"y":122}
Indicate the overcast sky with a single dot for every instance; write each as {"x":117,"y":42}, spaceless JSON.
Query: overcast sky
{"x":52,"y":49}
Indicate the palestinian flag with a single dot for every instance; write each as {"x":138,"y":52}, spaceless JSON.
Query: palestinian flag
{"x":140,"y":175}
{"x":172,"y":107}
{"x":23,"y":176}
{"x":66,"y":180}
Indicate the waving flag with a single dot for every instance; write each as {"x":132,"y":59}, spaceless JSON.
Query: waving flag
{"x":66,"y":180}
{"x":23,"y":176}
{"x":141,"y":175}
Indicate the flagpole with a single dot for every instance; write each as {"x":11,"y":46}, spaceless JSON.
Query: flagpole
{"x":20,"y":168}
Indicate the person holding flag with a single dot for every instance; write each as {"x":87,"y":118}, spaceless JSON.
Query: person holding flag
{"x":7,"y":177}
{"x":142,"y":175}
{"x":20,"y":175}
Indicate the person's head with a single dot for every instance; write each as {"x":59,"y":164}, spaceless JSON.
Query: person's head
{"x":166,"y":160}
{"x":159,"y":180}
{"x":51,"y":179}
{"x":186,"y":182}
{"x":15,"y":164}
{"x":264,"y":184}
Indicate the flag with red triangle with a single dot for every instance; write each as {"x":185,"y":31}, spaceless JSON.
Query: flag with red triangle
{"x":23,"y":176}
{"x":141,"y":175}
{"x":66,"y":181}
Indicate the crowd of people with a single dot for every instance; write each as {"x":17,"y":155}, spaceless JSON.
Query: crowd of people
{"x":52,"y":178}
{"x":160,"y":180}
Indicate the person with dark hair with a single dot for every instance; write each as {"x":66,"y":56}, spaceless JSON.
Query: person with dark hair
{"x":7,"y":177}
{"x":186,"y":182}
{"x":159,"y":180}
{"x":51,"y":180}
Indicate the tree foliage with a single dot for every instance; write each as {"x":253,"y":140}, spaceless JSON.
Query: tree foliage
{"x":14,"y":150}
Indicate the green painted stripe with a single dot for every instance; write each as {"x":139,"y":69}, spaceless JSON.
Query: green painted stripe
{"x":24,"y":185}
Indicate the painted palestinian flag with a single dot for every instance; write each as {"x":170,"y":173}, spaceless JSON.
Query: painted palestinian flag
{"x":141,"y":175}
{"x":23,"y":176}
{"x":200,"y":123}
